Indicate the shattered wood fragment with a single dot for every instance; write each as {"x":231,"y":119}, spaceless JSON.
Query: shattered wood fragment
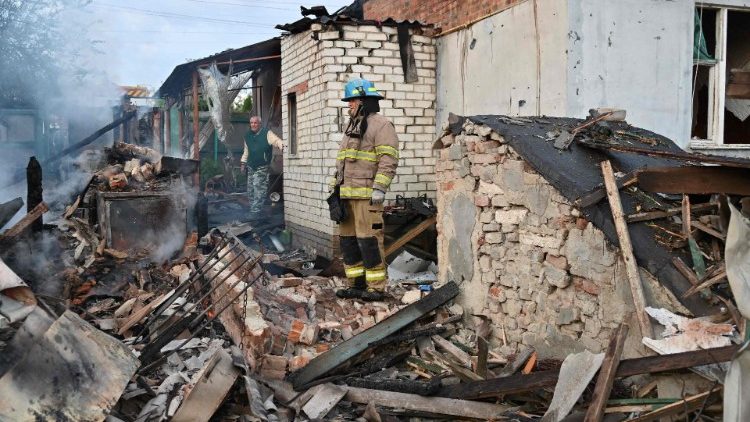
{"x":399,"y":385}
{"x":653,"y":215}
{"x":462,"y":357}
{"x":686,"y":219}
{"x":331,"y":359}
{"x":529,"y":364}
{"x":140,"y":315}
{"x":408,"y":236}
{"x":721,"y":275}
{"x":520,"y":383}
{"x":606,"y":378}
{"x":680,"y":407}
{"x":626,"y":249}
{"x":325,"y":399}
{"x":704,"y":228}
{"x":12,"y":234}
{"x":208,"y":388}
{"x":600,"y":192}
{"x":682,"y":156}
{"x":483,"y":347}
{"x":685,"y":271}
{"x":436,"y":405}
{"x":512,"y":367}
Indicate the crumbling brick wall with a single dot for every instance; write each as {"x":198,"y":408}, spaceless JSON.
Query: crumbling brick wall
{"x":317,"y":70}
{"x":444,"y":14}
{"x":526,"y":257}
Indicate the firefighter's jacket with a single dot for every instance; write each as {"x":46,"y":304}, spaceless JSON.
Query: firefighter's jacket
{"x":364,"y":164}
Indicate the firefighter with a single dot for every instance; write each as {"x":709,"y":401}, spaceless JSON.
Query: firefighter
{"x":365,"y":165}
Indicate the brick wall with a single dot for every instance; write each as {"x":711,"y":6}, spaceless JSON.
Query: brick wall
{"x":525,"y":257}
{"x":317,"y":71}
{"x":444,"y":14}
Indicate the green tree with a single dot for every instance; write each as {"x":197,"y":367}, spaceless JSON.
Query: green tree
{"x":33,"y":50}
{"x":243,"y":106}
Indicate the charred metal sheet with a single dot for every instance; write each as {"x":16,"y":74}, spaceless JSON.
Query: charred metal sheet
{"x":575,"y":172}
{"x":136,"y":220}
{"x":697,"y":179}
{"x":73,"y":372}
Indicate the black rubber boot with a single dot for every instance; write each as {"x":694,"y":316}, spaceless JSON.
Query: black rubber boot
{"x":372,"y":295}
{"x":354,"y":292}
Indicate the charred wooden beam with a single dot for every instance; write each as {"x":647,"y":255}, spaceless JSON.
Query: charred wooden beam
{"x":680,"y":156}
{"x":12,"y":234}
{"x":607,"y":373}
{"x":34,"y":191}
{"x":600,"y":192}
{"x":9,"y":209}
{"x":520,"y":383}
{"x":696,"y":180}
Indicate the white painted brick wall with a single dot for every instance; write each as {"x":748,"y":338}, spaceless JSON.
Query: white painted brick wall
{"x":340,"y":54}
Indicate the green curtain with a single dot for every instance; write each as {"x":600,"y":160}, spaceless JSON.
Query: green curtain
{"x":700,"y":51}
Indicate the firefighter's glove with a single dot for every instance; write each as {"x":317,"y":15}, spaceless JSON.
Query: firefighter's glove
{"x":378,"y":196}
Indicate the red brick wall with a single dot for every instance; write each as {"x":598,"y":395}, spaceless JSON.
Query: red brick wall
{"x":444,"y":14}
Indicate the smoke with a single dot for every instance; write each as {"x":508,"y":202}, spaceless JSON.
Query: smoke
{"x":55,"y":89}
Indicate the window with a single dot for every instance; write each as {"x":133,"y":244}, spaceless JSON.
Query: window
{"x":721,"y":79}
{"x":291,"y":103}
{"x":16,"y":128}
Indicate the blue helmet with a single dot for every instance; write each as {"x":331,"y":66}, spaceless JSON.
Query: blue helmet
{"x":358,"y":88}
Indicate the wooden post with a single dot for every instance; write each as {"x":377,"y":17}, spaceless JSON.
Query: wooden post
{"x":156,"y":130}
{"x":181,"y":128}
{"x":196,"y":120}
{"x":168,"y":128}
{"x":626,"y":248}
{"x":196,"y":130}
{"x":34,"y":191}
{"x":595,"y":412}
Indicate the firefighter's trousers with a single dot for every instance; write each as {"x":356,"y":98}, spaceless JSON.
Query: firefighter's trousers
{"x":361,"y":235}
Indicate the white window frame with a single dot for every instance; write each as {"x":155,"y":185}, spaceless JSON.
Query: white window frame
{"x":717,"y":78}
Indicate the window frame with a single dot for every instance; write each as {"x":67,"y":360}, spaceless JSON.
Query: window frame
{"x":292,"y":120}
{"x":717,"y":80}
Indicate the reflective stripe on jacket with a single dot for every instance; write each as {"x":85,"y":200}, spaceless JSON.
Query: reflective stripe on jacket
{"x":370,"y":162}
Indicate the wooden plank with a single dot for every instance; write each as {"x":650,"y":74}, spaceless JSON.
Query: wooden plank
{"x":600,"y":192}
{"x":438,"y":405}
{"x":324,"y":363}
{"x":208,"y":388}
{"x":607,"y":373}
{"x":706,"y":284}
{"x":462,"y":357}
{"x":686,"y":219}
{"x":683,"y":268}
{"x":518,"y":361}
{"x":408,"y":236}
{"x":323,"y":401}
{"x":696,"y":180}
{"x":739,"y":76}
{"x":626,"y":248}
{"x":12,"y":233}
{"x":483,"y":347}
{"x":683,"y":406}
{"x":139,"y":315}
{"x":680,"y":156}
{"x":653,"y":215}
{"x":520,"y":383}
{"x":705,"y":229}
{"x":530,"y":364}
{"x":738,"y":91}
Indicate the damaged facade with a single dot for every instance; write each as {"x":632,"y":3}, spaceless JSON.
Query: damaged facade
{"x":317,"y":60}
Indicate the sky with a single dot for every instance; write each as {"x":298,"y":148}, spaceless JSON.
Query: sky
{"x":141,"y":41}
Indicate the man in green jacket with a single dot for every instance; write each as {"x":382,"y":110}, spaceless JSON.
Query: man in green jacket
{"x":256,"y":158}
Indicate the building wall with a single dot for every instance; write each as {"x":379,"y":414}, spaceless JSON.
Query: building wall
{"x":562,"y":57}
{"x":444,"y":14}
{"x":511,"y":63}
{"x":634,"y":55}
{"x":525,"y":257}
{"x":324,"y":66}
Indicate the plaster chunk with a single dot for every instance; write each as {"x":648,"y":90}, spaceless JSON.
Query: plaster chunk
{"x":483,"y":130}
{"x":511,"y":217}
{"x":532,"y":239}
